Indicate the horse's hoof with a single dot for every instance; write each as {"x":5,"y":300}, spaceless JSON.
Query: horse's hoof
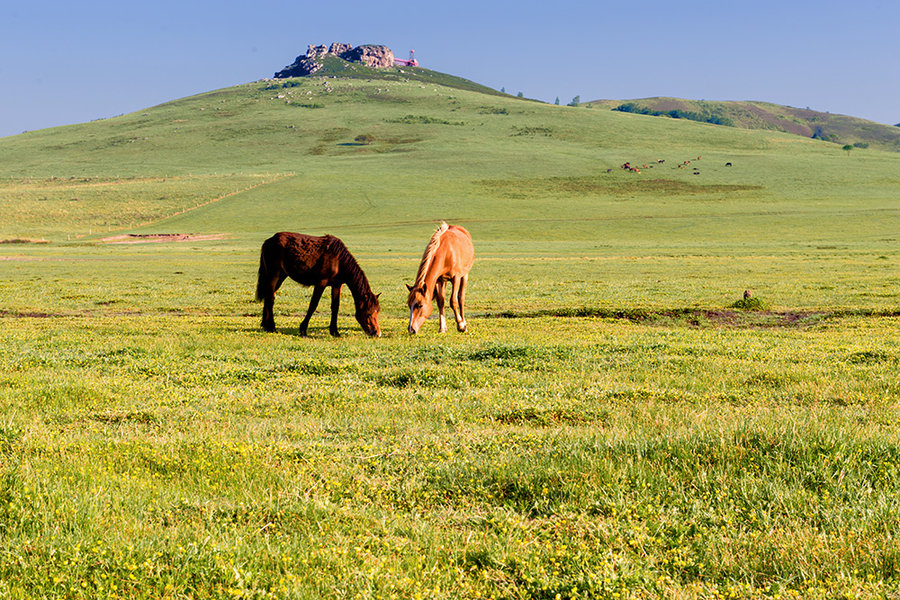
{"x":270,"y":327}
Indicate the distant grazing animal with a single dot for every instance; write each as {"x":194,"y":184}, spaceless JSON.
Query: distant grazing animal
{"x":746,"y":294}
{"x":728,"y":164}
{"x":448,"y":256}
{"x":319,"y":262}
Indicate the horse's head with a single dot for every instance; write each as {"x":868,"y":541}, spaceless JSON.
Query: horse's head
{"x":367,"y":316}
{"x":419,"y":307}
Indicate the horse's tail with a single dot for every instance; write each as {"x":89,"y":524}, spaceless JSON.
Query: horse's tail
{"x":263,"y":279}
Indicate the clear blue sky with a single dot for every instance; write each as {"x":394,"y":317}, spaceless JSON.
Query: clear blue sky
{"x":65,"y":62}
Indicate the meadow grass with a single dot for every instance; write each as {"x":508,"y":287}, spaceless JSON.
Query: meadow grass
{"x":614,"y":424}
{"x":195,"y":456}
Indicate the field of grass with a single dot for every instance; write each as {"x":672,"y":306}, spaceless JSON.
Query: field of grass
{"x":610,"y":427}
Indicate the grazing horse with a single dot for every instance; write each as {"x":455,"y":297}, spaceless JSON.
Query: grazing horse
{"x":319,"y":262}
{"x":448,"y":256}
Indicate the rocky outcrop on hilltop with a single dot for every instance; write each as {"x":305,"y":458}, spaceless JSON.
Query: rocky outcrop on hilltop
{"x":301,"y":67}
{"x":371,"y":55}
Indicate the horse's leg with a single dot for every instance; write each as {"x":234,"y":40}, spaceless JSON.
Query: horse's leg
{"x":439,"y":296}
{"x":458,"y":300}
{"x":268,"y":315}
{"x":335,"y":305}
{"x":463,"y":282}
{"x":313,"y":303}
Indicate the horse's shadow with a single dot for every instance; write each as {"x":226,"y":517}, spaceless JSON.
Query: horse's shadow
{"x":313,"y":333}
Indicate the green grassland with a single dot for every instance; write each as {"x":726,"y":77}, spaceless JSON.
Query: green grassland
{"x":610,"y":427}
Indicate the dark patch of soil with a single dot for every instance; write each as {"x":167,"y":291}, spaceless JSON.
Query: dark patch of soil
{"x":23,"y":241}
{"x":605,"y":185}
{"x":692,"y":317}
{"x":141,"y":238}
{"x":29,"y":314}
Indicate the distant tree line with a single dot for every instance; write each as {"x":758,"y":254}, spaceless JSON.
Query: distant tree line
{"x":631,"y":107}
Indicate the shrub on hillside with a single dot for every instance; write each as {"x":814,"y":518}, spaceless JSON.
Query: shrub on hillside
{"x":286,"y":84}
{"x":631,"y":107}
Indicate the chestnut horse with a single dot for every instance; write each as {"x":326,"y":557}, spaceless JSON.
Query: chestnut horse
{"x":448,"y":256}
{"x":319,"y":262}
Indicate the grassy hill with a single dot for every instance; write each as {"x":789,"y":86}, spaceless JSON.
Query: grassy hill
{"x":840,"y":129}
{"x":613,"y":425}
{"x":271,"y":155}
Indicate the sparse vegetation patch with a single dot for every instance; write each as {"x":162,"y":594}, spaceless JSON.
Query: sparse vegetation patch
{"x":422,"y":120}
{"x":605,"y":185}
{"x":532,"y":131}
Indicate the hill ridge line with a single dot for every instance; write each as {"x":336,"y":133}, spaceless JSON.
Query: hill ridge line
{"x":760,"y":115}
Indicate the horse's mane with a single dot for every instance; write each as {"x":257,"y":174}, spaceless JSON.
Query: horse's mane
{"x":430,"y":249}
{"x":357,"y":281}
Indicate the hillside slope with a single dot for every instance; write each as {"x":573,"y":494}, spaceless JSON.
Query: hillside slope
{"x":840,"y":129}
{"x":379,"y":162}
{"x":416,"y":118}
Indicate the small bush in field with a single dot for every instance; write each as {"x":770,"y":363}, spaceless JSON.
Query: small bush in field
{"x":750,"y":303}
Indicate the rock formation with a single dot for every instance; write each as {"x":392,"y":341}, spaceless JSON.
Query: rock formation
{"x":339,"y":49}
{"x":371,"y":55}
{"x":302,"y":66}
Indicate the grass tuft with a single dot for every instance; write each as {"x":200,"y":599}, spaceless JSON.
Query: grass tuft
{"x":751,"y":303}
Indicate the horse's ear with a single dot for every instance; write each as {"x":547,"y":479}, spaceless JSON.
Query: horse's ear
{"x":409,"y":287}
{"x":378,"y":295}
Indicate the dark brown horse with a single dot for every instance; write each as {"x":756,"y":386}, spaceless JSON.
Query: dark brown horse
{"x":319,"y":262}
